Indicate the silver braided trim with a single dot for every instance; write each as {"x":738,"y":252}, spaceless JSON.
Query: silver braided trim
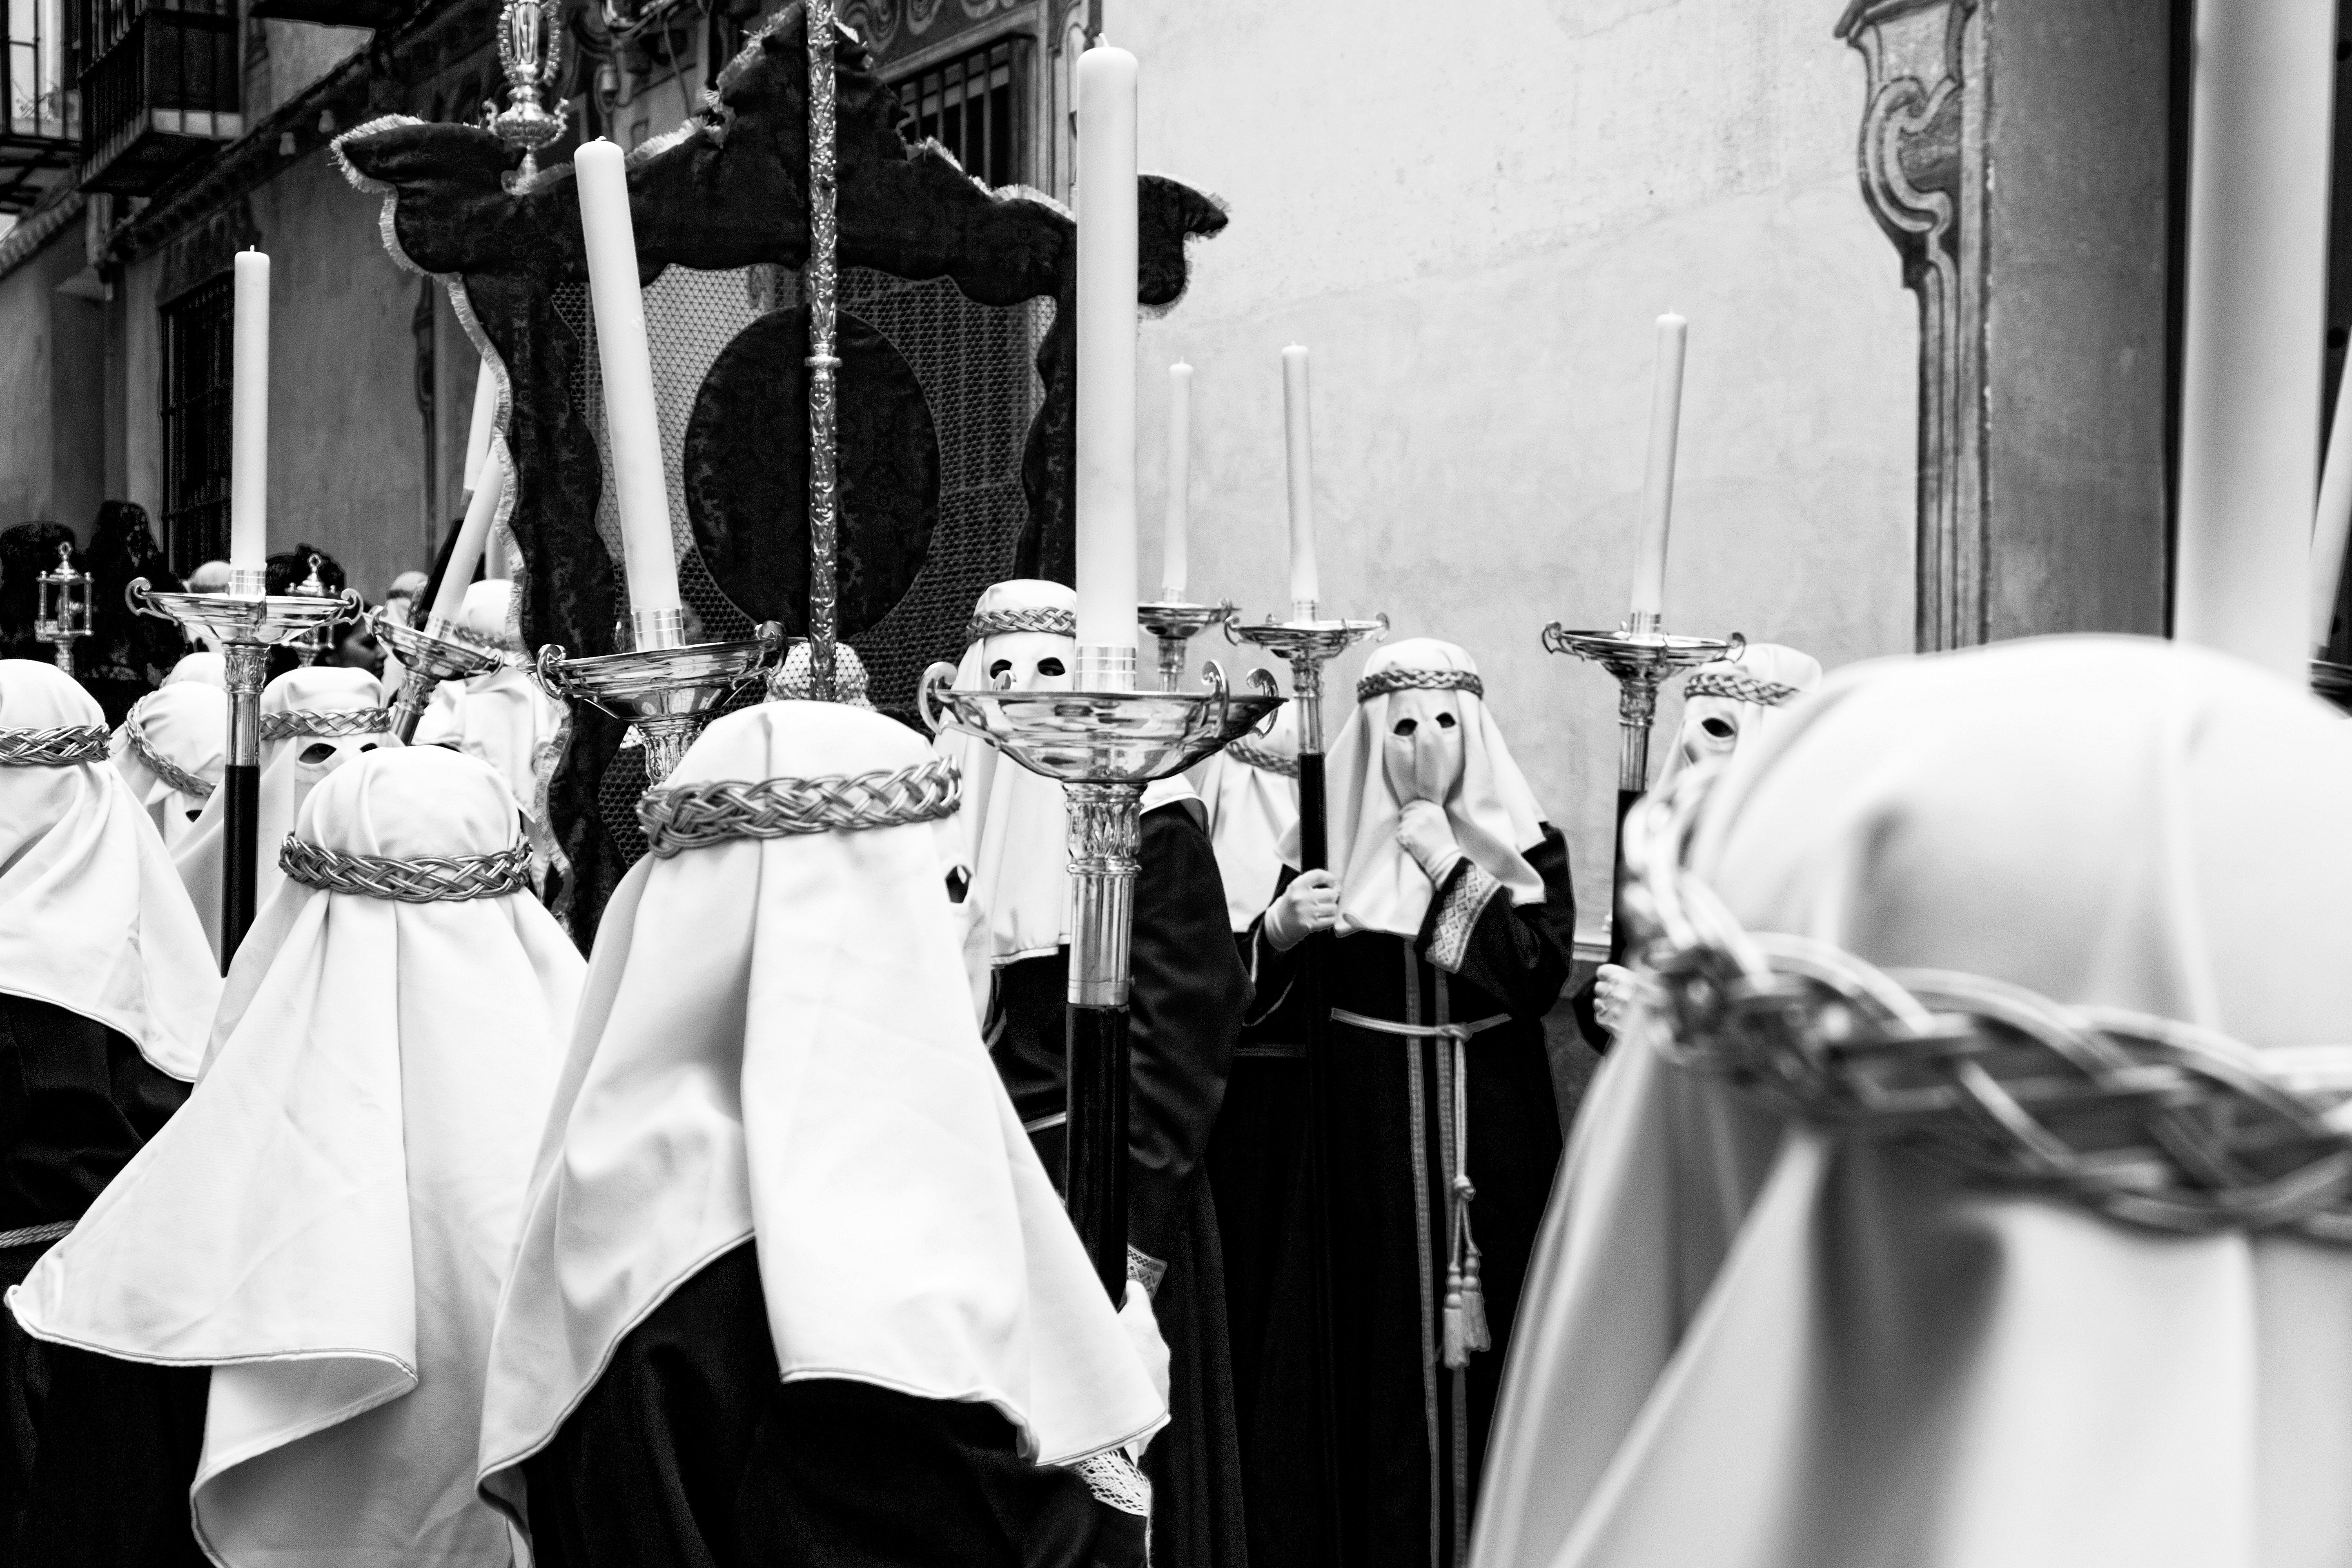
{"x":325,"y":721}
{"x":2146,"y":1120}
{"x":135,"y":735}
{"x":697,"y":815}
{"x":1116,"y":1482}
{"x":997,"y":622}
{"x":60,"y":747}
{"x":56,"y":1230}
{"x":1382,"y":681}
{"x":1738,"y":687}
{"x":428,"y":880}
{"x":1264,"y":761}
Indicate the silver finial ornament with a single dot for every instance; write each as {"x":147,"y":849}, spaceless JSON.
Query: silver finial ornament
{"x":531,"y":70}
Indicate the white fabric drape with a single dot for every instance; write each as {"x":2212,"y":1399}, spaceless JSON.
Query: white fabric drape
{"x":1746,"y":1343}
{"x":502,"y":718}
{"x":328,"y":1220}
{"x":286,"y":779}
{"x":186,"y":724}
{"x":203,"y":665}
{"x":775,"y":1041}
{"x":1493,"y":812}
{"x":92,"y":919}
{"x":1251,"y":811}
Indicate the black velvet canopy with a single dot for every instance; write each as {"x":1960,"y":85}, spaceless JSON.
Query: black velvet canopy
{"x":730,"y":191}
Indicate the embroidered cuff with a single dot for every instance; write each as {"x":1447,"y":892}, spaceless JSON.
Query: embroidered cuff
{"x":1457,"y":917}
{"x":1116,"y":1481}
{"x":1145,"y":1270}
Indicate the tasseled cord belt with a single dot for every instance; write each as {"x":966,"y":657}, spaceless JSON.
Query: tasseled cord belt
{"x":1464,"y":1332}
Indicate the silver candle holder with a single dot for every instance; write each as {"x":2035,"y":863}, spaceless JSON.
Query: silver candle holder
{"x":531,"y":70}
{"x":1642,"y":655}
{"x":1102,"y":746}
{"x":1174,"y":622}
{"x":665,"y":688}
{"x":249,"y":623}
{"x":61,"y":615}
{"x":428,"y":655}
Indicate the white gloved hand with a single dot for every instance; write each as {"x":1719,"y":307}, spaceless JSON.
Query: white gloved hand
{"x":1428,"y":838}
{"x":1311,"y":903}
{"x":1143,"y":1333}
{"x":1615,"y":991}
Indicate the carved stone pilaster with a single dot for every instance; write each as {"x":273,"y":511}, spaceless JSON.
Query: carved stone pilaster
{"x":1922,"y":163}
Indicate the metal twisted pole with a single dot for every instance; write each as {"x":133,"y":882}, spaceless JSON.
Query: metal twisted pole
{"x":823,"y":291}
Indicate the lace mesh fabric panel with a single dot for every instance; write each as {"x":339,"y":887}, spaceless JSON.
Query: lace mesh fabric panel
{"x":977,"y":365}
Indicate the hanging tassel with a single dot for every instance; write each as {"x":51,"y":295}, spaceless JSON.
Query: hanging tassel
{"x":1466,"y":1297}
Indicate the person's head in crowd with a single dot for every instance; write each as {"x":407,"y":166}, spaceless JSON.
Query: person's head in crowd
{"x":356,"y":647}
{"x":205,"y":666}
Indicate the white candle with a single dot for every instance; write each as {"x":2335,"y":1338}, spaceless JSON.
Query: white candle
{"x":2251,"y":338}
{"x":632,"y":428}
{"x":1105,"y":349}
{"x":478,"y":436}
{"x":1175,"y":563}
{"x":1658,"y":476}
{"x":449,"y":598}
{"x":1298,"y":445}
{"x":2330,"y":530}
{"x":248,"y":485}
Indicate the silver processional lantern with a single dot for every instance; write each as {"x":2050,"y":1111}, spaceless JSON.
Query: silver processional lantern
{"x":62,"y":615}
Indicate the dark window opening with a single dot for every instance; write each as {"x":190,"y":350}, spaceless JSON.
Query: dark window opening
{"x":972,"y":106}
{"x":197,"y":339}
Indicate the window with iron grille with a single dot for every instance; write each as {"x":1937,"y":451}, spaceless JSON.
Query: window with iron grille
{"x":198,"y":330}
{"x":972,"y":106}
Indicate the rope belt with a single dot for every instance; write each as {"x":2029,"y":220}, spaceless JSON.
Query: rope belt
{"x":1264,"y":761}
{"x":1463,"y":1316}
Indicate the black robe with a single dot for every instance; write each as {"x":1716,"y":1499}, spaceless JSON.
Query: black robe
{"x":689,"y":1453}
{"x":1185,"y":1004}
{"x":100,"y":1452}
{"x":1411,"y":1433}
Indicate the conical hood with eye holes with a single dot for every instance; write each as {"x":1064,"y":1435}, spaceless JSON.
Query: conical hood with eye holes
{"x":1492,"y":811}
{"x":328,"y":1221}
{"x":285,"y":780}
{"x":184,"y":726}
{"x":91,"y":918}
{"x":1715,"y":724}
{"x":1013,"y":843}
{"x":1251,"y":810}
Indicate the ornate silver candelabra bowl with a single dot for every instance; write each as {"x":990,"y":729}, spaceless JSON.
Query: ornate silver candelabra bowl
{"x":1175,"y":622}
{"x":666,"y":692}
{"x":428,"y":655}
{"x":1642,"y":657}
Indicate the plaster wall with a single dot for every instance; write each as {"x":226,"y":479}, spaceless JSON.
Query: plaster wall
{"x":52,"y":365}
{"x":1473,"y":228}
{"x":346,"y":440}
